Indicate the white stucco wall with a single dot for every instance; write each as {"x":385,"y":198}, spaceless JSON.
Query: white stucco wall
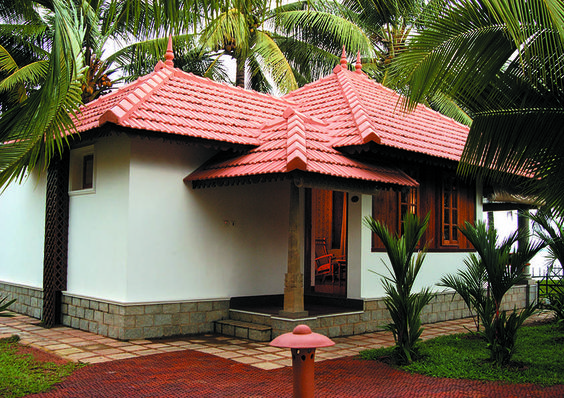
{"x":98,"y":226}
{"x":146,"y":236}
{"x":203,"y":243}
{"x":22,"y":229}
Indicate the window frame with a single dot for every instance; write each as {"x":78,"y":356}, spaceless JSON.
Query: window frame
{"x":82,"y":169}
{"x":412,"y":202}
{"x":452,"y":209}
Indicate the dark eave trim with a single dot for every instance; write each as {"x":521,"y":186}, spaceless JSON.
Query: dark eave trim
{"x":305,"y":180}
{"x":110,"y":128}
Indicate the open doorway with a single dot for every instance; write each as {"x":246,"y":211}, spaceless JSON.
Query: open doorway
{"x":326,"y":273}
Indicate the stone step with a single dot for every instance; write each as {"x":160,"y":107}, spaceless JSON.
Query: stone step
{"x":243,"y":330}
{"x":250,"y":317}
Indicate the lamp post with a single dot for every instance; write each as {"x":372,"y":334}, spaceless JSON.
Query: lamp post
{"x":303,"y":343}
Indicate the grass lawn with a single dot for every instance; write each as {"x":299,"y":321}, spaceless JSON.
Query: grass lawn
{"x":538,"y":358}
{"x":21,"y":374}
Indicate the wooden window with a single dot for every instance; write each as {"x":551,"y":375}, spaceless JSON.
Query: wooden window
{"x":449,"y":222}
{"x":408,"y":203}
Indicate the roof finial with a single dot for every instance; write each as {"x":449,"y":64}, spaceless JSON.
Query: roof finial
{"x":344,"y":58}
{"x":169,"y":55}
{"x":358,"y":65}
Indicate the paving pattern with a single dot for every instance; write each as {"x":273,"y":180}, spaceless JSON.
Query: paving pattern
{"x":217,"y":366}
{"x":86,"y":347}
{"x":195,"y":374}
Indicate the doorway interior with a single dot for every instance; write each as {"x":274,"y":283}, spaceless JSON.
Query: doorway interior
{"x":326,"y":243}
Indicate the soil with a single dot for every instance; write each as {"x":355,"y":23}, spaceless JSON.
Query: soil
{"x":40,"y":355}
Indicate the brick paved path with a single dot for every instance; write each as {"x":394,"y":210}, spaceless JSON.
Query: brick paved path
{"x":217,"y":366}
{"x":195,"y":374}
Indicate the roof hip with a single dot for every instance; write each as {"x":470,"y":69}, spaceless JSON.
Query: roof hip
{"x":119,"y":112}
{"x":359,"y":115}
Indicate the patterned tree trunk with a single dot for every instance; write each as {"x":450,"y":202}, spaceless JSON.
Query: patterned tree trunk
{"x":56,"y":240}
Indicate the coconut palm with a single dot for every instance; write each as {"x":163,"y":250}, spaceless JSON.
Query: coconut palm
{"x":404,"y":306}
{"x":286,"y":45}
{"x":138,"y":59}
{"x":32,"y":128}
{"x":502,"y":63}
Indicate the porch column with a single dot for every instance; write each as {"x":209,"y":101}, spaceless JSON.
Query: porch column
{"x":523,"y":234}
{"x":294,"y":282}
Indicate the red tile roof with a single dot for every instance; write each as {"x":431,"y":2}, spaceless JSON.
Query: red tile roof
{"x":171,"y":101}
{"x":361,"y":110}
{"x":300,"y":131}
{"x":298,"y":142}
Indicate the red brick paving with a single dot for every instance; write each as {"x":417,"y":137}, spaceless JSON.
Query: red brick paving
{"x":195,"y":374}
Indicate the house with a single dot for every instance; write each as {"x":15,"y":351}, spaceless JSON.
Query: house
{"x":184,"y":204}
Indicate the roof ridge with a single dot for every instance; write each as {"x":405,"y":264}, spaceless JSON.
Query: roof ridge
{"x":359,"y":115}
{"x":134,"y":99}
{"x":296,"y":149}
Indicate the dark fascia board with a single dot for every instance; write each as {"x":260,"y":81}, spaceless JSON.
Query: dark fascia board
{"x":372,"y":151}
{"x":304,"y":180}
{"x":108,"y":129}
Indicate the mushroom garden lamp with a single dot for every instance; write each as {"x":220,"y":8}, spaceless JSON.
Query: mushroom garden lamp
{"x":303,"y":343}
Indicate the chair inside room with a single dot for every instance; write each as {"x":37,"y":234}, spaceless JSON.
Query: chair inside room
{"x":323,"y":261}
{"x":326,"y":264}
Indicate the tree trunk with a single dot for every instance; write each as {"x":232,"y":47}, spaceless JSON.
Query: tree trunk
{"x":240,"y":74}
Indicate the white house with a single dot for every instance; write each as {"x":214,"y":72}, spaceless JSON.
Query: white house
{"x":183,"y":204}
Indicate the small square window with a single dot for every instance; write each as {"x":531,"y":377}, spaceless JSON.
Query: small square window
{"x":82,"y":171}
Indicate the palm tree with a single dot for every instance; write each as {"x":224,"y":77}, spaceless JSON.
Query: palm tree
{"x":404,"y":306}
{"x":549,"y":228}
{"x":470,"y":284}
{"x":44,"y":46}
{"x":288,"y":45}
{"x":31,"y":128}
{"x":138,"y":59}
{"x":503,"y":270}
{"x":502,"y":63}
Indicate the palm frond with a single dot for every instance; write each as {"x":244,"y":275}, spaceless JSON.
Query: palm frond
{"x":230,"y":26}
{"x":30,"y":74}
{"x":35,"y":129}
{"x":275,"y":62}
{"x":325,"y":30}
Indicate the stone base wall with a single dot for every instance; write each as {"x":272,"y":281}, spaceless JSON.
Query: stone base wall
{"x":153,"y":320}
{"x":444,"y":306}
{"x":144,"y":320}
{"x":29,"y":300}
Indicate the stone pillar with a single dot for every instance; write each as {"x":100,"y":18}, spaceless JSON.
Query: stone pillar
{"x":294,"y":282}
{"x":491,"y":223}
{"x":523,"y":235}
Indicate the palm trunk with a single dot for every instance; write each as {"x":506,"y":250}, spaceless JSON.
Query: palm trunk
{"x":240,"y":72}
